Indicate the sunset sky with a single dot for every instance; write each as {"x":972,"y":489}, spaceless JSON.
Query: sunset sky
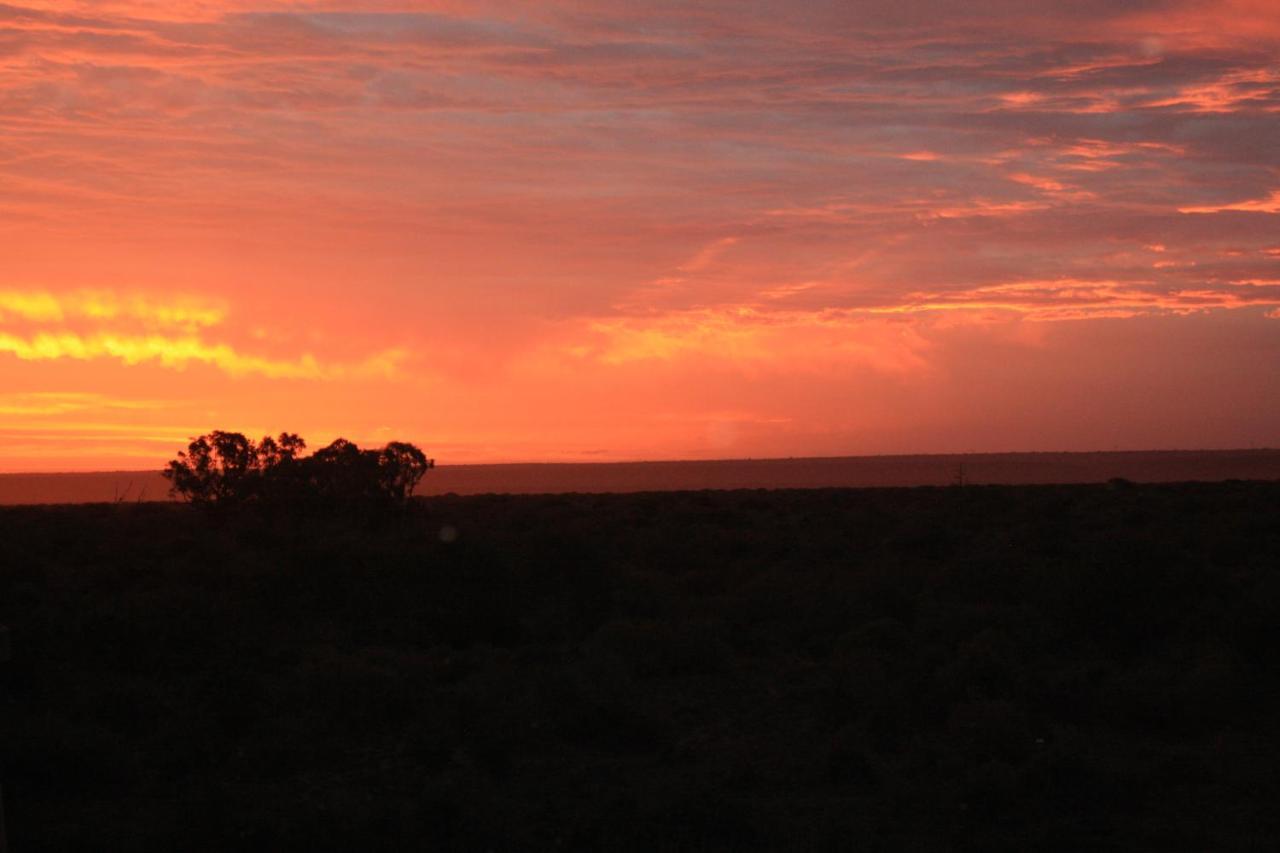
{"x":575,"y":230}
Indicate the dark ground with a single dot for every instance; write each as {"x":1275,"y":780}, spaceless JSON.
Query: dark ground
{"x":979,"y":668}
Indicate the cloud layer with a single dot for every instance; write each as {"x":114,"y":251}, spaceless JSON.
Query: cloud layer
{"x":648,"y":217}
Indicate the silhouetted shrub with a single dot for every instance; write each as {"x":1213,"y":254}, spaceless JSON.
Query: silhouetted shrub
{"x":225,"y":469}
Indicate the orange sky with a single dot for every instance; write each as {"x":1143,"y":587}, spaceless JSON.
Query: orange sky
{"x":574,"y":230}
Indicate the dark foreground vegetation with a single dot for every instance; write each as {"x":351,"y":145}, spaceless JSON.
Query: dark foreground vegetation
{"x":227,"y":473}
{"x":993,"y":668}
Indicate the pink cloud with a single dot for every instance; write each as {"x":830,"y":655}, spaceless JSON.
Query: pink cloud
{"x":665,"y":187}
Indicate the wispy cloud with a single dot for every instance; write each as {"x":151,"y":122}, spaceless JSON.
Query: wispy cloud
{"x":169,"y":312}
{"x":1270,"y":204}
{"x":43,"y":403}
{"x":178,"y":352}
{"x":748,"y":339}
{"x":136,"y":329}
{"x":288,"y":193}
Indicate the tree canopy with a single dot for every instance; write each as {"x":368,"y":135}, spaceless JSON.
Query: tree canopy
{"x":223,"y":469}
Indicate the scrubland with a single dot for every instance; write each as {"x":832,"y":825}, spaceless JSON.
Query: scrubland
{"x":963,"y":668}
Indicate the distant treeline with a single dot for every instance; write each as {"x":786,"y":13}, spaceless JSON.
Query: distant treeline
{"x":224,"y":469}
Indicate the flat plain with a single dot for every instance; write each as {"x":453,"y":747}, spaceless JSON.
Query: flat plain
{"x":1061,"y":667}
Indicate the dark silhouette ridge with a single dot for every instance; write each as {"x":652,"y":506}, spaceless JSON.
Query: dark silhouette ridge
{"x":225,"y":470}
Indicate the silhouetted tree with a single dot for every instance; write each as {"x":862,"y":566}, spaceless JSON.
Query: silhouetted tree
{"x":214,"y":469}
{"x":401,"y":465}
{"x":225,"y":468}
{"x":342,"y":473}
{"x":273,"y":452}
{"x":280,"y":483}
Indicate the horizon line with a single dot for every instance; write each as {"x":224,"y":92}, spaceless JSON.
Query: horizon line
{"x":730,"y":459}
